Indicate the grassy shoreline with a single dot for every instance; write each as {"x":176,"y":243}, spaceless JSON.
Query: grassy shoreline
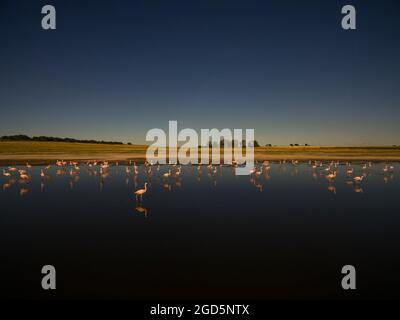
{"x":20,"y":152}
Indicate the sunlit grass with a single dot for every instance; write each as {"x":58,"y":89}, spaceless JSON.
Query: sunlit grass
{"x":35,"y":151}
{"x":39,"y":147}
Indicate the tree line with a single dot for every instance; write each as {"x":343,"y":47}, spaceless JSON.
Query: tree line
{"x":22,"y":137}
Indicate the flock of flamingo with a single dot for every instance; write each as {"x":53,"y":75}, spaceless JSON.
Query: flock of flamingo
{"x":329,"y":170}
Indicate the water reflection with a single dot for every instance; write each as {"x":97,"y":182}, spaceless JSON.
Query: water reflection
{"x":142,"y":210}
{"x":8,"y":184}
{"x":171,"y":177}
{"x":203,"y":220}
{"x":23,"y":191}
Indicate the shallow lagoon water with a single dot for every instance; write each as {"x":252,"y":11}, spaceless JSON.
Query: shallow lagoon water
{"x":283,"y":234}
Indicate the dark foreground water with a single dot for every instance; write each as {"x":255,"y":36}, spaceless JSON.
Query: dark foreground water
{"x":285,"y":233}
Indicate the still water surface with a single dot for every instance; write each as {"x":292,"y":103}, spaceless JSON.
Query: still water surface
{"x":285,"y":232}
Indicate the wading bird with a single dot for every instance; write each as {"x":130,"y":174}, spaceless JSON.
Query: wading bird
{"x":6,"y":174}
{"x":358,"y":178}
{"x":141,"y":192}
{"x":167,"y":174}
{"x":331,"y":176}
{"x":258,"y":173}
{"x":24,"y":176}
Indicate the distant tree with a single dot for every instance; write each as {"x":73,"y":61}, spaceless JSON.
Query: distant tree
{"x":291,"y":144}
{"x":268,"y":145}
{"x":17,"y":137}
{"x":21,"y":137}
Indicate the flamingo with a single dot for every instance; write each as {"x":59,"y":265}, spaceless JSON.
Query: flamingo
{"x":24,"y":176}
{"x":331,"y":176}
{"x":28,"y":165}
{"x":167,"y":174}
{"x":6,"y":174}
{"x":12,"y":169}
{"x":42,"y":173}
{"x":105,"y":165}
{"x":141,"y":192}
{"x":358,"y":178}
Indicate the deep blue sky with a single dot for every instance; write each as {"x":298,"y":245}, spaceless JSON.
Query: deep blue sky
{"x":115,"y":69}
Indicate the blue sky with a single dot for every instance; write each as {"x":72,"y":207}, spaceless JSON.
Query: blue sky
{"x":113,"y":70}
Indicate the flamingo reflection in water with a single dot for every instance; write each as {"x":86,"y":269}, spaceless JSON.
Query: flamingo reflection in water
{"x":167,"y":186}
{"x":178,"y":183}
{"x":142,"y":210}
{"x":23,"y":191}
{"x":8,"y":184}
{"x":256,"y":184}
{"x":332,"y":188}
